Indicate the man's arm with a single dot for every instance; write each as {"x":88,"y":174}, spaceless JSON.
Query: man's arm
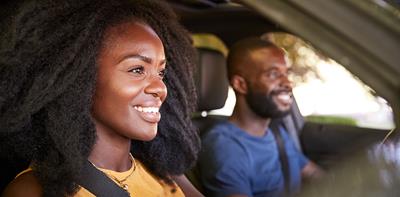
{"x":237,"y":195}
{"x":311,"y":171}
{"x":187,"y":187}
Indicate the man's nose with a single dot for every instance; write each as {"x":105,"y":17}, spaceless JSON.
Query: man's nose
{"x":285,"y":82}
{"x":156,"y":87}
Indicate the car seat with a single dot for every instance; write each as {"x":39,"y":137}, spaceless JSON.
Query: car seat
{"x":212,"y":87}
{"x":212,"y":90}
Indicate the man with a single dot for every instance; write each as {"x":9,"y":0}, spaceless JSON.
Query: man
{"x":240,"y":157}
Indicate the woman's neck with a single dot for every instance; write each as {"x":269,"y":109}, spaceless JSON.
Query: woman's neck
{"x":111,"y":152}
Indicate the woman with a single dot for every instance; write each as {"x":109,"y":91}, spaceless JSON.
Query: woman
{"x":84,"y":81}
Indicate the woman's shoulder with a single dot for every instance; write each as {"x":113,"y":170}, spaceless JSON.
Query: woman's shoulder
{"x":26,"y":184}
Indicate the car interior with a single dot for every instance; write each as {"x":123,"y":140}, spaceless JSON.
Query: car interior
{"x":326,"y":144}
{"x":212,"y":89}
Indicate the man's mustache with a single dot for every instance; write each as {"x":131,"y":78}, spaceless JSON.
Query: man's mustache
{"x":281,"y":90}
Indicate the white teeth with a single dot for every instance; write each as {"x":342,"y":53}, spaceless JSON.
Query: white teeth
{"x":147,"y":109}
{"x":285,"y":97}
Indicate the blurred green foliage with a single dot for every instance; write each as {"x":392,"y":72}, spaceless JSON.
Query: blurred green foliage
{"x":303,"y":58}
{"x":329,"y":119}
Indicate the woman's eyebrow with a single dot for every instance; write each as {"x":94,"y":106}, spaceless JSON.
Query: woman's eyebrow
{"x":137,"y":56}
{"x":142,"y":58}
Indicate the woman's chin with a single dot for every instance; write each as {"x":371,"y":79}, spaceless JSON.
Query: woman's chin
{"x":148,"y":136}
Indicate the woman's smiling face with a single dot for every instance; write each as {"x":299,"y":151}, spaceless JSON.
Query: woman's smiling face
{"x":129,"y":87}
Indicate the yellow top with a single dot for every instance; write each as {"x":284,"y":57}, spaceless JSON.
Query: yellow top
{"x":140,"y":183}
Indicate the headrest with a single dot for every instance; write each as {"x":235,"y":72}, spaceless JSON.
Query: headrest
{"x":211,"y":79}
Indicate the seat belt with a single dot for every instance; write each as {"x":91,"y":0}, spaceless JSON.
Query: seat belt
{"x":98,"y":183}
{"x":282,"y":157}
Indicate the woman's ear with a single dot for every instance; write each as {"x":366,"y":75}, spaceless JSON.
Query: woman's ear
{"x":239,"y":84}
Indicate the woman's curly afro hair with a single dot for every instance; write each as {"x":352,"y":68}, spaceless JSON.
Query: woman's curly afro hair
{"x":47,"y":80}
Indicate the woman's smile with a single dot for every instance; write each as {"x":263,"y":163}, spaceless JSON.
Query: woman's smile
{"x":149,"y":114}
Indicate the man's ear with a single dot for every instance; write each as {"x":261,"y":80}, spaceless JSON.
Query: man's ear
{"x":239,"y":84}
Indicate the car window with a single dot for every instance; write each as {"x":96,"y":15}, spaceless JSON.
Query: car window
{"x":325,"y":91}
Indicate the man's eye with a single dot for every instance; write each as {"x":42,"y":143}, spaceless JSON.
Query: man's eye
{"x":273,"y":74}
{"x":137,"y":70}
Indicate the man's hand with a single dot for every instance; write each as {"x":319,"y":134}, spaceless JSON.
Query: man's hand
{"x":312,"y":171}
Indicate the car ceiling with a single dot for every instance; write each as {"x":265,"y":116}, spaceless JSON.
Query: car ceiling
{"x":196,"y":15}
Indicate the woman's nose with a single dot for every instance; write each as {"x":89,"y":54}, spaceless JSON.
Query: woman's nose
{"x":156,"y":87}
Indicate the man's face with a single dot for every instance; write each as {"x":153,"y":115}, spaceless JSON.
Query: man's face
{"x":269,"y":92}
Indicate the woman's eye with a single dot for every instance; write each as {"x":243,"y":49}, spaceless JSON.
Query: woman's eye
{"x":162,"y":73}
{"x":137,"y":70}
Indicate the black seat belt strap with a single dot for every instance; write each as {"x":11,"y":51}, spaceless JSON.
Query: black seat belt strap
{"x":282,"y":157}
{"x":98,"y":183}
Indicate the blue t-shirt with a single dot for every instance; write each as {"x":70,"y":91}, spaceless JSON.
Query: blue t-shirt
{"x":234,"y":162}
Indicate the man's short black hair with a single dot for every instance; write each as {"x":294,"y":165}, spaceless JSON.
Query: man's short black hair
{"x":239,"y":52}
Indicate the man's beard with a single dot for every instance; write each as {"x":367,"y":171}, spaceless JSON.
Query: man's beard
{"x":263,"y":105}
